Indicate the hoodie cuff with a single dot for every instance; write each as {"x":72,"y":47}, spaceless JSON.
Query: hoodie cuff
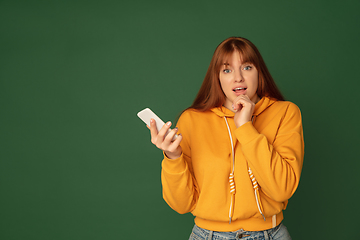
{"x":246,"y":133}
{"x":174,"y":165}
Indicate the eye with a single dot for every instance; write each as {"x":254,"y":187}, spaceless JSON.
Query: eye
{"x":248,"y":67}
{"x":227,"y":71}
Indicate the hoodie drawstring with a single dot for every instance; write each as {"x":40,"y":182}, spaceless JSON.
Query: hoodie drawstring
{"x":256,"y":190}
{"x":232,"y":183}
{"x":231,"y":177}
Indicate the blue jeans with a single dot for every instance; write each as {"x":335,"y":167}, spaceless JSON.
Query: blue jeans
{"x":279,"y":232}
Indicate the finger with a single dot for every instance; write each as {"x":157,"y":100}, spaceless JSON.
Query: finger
{"x":152,"y":127}
{"x":175,"y":144}
{"x":178,"y":140}
{"x":162,"y":133}
{"x":167,"y":143}
{"x":242,"y":97}
{"x":240,"y":102}
{"x":171,"y":134}
{"x":153,"y":131}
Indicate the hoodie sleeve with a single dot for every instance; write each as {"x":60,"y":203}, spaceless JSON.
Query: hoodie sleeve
{"x":277,"y":166}
{"x":178,"y":182}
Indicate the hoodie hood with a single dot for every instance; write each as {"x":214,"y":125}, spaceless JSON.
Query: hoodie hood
{"x":260,"y":107}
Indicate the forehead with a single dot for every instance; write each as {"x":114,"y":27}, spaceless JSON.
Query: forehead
{"x":233,"y":58}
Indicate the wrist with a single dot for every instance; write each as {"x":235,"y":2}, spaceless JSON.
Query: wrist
{"x":170,"y":155}
{"x":240,"y":123}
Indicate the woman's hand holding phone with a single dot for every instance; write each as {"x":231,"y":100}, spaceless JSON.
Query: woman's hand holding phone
{"x":163,"y":139}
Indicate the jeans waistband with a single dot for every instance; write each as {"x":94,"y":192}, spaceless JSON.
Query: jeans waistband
{"x":239,"y":234}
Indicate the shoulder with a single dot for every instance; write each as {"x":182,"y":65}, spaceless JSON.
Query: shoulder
{"x":284,"y":110}
{"x":190,"y":121}
{"x":192,"y":117}
{"x":289,"y":111}
{"x":191,"y":113}
{"x":287,"y":106}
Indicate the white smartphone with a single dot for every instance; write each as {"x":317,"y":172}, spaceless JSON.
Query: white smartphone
{"x":147,"y":114}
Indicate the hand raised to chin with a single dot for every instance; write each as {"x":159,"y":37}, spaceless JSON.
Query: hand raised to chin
{"x":244,"y":109}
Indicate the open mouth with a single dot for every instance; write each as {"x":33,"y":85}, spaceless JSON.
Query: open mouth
{"x":239,"y":89}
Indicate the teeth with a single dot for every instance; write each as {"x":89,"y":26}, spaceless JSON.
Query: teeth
{"x":238,"y":89}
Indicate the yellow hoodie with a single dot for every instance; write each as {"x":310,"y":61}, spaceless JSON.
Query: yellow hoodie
{"x":271,"y":147}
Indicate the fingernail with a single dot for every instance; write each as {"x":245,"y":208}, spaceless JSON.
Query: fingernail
{"x":151,"y":120}
{"x":176,"y":129}
{"x":232,"y":106}
{"x":168,"y":123}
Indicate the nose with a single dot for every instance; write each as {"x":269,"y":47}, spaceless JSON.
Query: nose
{"x":238,"y":76}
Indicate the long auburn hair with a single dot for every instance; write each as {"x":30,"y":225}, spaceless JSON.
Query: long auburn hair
{"x":211,"y":94}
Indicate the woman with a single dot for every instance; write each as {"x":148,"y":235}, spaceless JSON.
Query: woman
{"x":239,"y":154}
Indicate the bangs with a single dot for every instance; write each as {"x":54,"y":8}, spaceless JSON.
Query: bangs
{"x":247,"y":54}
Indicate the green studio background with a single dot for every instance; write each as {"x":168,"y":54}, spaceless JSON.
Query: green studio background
{"x":77,"y":163}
